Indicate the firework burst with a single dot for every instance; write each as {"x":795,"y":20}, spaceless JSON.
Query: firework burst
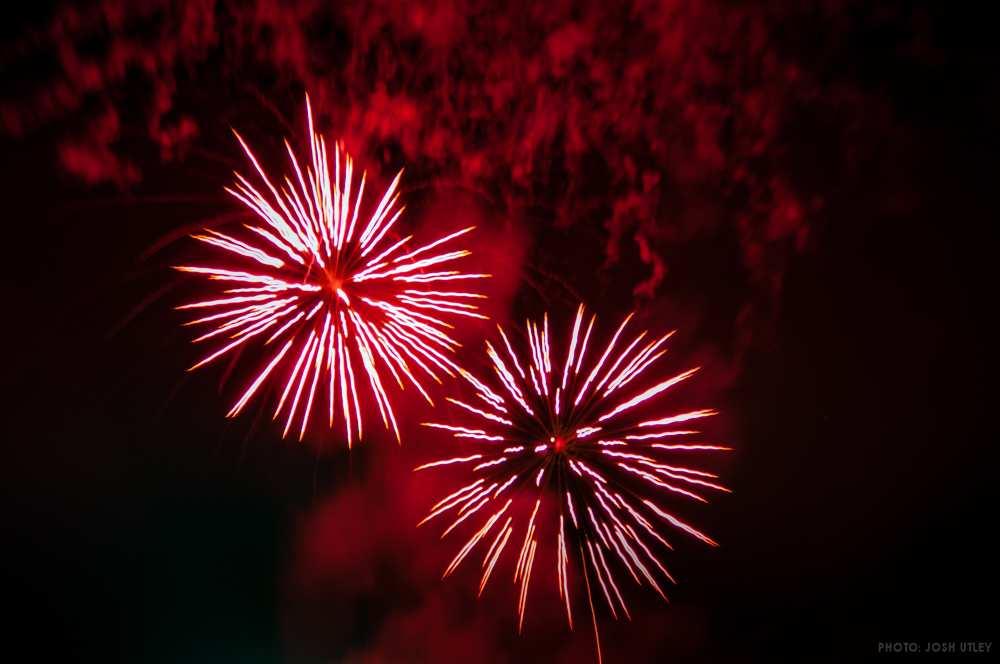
{"x":565,"y":449}
{"x":336,"y":301}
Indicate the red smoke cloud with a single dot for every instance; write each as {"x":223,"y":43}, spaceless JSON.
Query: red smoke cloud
{"x":660,"y":121}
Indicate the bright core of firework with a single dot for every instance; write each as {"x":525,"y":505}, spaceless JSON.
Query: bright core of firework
{"x":336,"y":301}
{"x":565,"y":443}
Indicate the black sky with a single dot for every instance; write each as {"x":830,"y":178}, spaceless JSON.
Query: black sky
{"x":141,"y":525}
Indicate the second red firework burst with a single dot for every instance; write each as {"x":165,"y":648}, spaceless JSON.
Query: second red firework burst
{"x":564,"y":446}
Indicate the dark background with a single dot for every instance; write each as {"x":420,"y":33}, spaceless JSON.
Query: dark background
{"x":818,"y":231}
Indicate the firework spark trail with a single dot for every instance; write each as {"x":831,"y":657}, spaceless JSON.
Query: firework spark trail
{"x":572,"y":437}
{"x":316,"y":284}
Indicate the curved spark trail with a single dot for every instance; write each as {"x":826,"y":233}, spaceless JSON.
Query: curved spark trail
{"x":336,"y":303}
{"x":575,"y":446}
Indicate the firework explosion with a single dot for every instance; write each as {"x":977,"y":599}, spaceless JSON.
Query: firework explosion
{"x":336,"y":301}
{"x":569,"y":439}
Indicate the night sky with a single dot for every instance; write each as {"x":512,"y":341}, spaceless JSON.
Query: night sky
{"x":802,"y":190}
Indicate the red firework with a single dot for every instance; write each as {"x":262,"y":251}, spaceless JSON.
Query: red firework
{"x":570,"y":439}
{"x":333,"y":298}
